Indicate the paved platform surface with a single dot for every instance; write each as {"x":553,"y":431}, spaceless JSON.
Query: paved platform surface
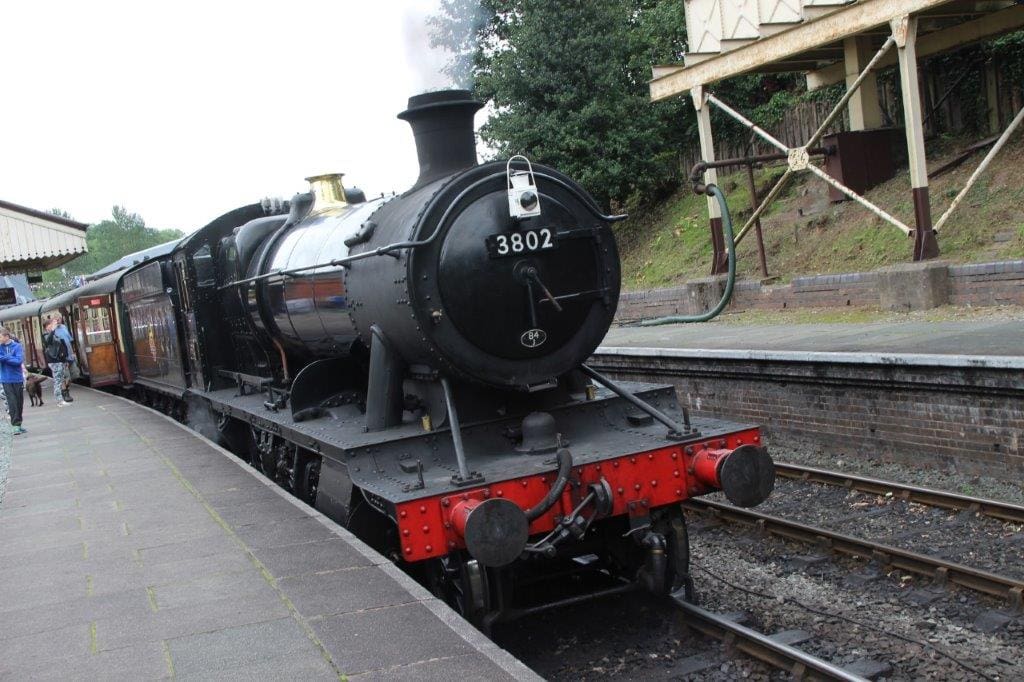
{"x":131,"y":548}
{"x":964,"y":338}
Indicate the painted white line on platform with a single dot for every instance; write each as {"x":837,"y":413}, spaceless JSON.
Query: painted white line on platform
{"x":849,"y":358}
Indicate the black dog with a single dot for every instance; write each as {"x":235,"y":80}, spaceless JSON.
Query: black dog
{"x":34,"y":388}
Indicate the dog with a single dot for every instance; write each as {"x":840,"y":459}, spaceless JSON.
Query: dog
{"x":34,"y":388}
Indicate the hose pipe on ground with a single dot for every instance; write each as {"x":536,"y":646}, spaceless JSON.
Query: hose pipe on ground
{"x":711,"y":190}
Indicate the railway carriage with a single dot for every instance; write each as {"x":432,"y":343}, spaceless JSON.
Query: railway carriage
{"x":91,"y":318}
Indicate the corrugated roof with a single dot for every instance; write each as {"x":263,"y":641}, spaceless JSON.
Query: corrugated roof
{"x":31,"y":240}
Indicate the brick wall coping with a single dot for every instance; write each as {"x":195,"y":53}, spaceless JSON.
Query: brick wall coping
{"x":806,"y":282}
{"x":854,"y":358}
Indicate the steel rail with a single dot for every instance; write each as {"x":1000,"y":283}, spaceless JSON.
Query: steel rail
{"x":1004,"y":511}
{"x":1003,"y":587}
{"x":760,"y":646}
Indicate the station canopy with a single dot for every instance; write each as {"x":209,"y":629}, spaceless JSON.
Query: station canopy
{"x":732,"y":37}
{"x":33,"y":241}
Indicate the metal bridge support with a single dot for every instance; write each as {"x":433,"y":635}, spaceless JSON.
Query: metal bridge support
{"x":865,"y":111}
{"x":720,"y":261}
{"x":904,"y":31}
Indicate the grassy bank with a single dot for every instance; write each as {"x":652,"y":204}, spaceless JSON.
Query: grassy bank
{"x":806,"y":234}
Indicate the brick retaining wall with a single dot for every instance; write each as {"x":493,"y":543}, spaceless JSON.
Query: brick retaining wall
{"x":980,"y":284}
{"x":967,"y":418}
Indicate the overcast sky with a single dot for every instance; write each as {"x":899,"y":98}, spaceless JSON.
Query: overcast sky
{"x":183,"y":110}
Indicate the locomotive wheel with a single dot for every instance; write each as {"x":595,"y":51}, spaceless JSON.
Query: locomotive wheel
{"x":463,"y":584}
{"x":309,"y":477}
{"x":672,"y":525}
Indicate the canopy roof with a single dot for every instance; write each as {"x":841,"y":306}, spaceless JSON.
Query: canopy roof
{"x":31,"y":240}
{"x":733,"y":37}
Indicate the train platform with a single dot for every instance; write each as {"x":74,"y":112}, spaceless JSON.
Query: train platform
{"x":977,"y":343}
{"x":938,"y":394}
{"x":133,"y":548}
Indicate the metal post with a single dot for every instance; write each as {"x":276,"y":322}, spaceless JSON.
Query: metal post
{"x":757,"y":222}
{"x":719,"y":262}
{"x":904,"y":31}
{"x":453,"y":423}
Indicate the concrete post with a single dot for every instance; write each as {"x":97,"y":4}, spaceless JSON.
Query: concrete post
{"x":904,"y":30}
{"x":992,"y":97}
{"x":865,"y":111}
{"x":720,"y":262}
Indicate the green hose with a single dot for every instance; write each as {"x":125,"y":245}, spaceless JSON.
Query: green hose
{"x":729,"y":283}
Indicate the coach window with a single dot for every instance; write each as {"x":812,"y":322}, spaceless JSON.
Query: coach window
{"x":97,"y":326}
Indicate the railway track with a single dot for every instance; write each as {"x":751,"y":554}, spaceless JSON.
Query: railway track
{"x":762,"y":647}
{"x":941,"y":570}
{"x":1003,"y":511}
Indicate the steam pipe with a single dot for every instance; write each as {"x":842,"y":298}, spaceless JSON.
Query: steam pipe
{"x":698,"y":168}
{"x":561,"y":480}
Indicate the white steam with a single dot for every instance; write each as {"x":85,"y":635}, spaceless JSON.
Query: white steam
{"x":426,"y":64}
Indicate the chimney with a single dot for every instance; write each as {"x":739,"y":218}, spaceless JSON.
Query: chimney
{"x":442,"y":123}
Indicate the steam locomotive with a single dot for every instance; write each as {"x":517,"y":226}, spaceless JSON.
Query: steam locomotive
{"x":414,"y":366}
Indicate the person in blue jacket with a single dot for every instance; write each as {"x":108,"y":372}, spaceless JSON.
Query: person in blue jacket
{"x":12,"y":377}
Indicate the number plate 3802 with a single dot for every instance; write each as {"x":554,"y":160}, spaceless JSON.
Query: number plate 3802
{"x":509,"y":244}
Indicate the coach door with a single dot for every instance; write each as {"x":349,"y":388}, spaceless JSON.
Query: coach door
{"x":186,"y":292}
{"x":99,"y":340}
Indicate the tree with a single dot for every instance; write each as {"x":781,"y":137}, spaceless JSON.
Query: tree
{"x":107,"y":241}
{"x":568,"y":81}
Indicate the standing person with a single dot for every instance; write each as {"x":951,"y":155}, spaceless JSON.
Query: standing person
{"x":12,"y":378}
{"x":57,"y":351}
{"x":71,"y":365}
